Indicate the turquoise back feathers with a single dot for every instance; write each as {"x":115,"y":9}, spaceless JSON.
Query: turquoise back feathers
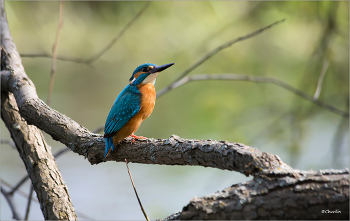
{"x":128,"y":103}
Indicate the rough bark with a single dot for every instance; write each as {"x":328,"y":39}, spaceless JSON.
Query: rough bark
{"x":41,"y":166}
{"x":299,"y":195}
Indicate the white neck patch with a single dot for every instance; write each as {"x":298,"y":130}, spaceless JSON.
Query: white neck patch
{"x":150,"y":79}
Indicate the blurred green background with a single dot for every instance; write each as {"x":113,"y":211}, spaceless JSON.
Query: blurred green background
{"x":261,"y":115}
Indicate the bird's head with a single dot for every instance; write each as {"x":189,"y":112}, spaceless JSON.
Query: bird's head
{"x":147,"y":73}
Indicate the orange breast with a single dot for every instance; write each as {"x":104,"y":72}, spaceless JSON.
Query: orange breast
{"x":148,"y":99}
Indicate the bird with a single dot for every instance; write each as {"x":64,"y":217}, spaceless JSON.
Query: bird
{"x":133,"y":105}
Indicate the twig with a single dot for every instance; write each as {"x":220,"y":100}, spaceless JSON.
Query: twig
{"x":29,"y":202}
{"x":9,"y":198}
{"x":23,"y":194}
{"x":20,"y":192}
{"x":258,"y":79}
{"x":56,"y":155}
{"x":54,"y":53}
{"x":126,"y":27}
{"x":215,"y":51}
{"x":133,"y":185}
{"x":98,"y":55}
{"x":11,"y":143}
{"x":98,"y":129}
{"x":23,"y":180}
{"x":320,"y":79}
{"x":59,"y":57}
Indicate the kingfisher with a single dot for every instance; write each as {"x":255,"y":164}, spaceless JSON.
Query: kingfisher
{"x":133,"y":105}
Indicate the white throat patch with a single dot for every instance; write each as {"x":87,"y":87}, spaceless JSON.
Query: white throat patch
{"x":150,"y":79}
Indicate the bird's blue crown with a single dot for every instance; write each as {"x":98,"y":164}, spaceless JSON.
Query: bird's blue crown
{"x":141,"y":68}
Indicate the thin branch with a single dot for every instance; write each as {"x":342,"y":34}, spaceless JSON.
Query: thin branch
{"x":20,"y":183}
{"x":23,"y":194}
{"x":320,"y":79}
{"x":29,"y":202}
{"x":59,"y":57}
{"x":20,"y":192}
{"x":98,"y":129}
{"x":11,"y":143}
{"x":215,"y":51}
{"x":54,"y":53}
{"x":9,"y":198}
{"x":99,"y":54}
{"x":137,"y":196}
{"x":258,"y":79}
{"x":25,"y":178}
{"x":56,"y":155}
{"x":126,"y":27}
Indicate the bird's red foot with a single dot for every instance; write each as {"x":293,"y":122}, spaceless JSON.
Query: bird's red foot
{"x":137,"y":137}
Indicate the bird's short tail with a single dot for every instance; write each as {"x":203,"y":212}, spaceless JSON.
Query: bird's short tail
{"x":109,"y":145}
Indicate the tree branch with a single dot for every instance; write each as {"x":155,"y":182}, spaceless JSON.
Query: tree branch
{"x":93,"y":58}
{"x":9,"y":198}
{"x":300,"y":195}
{"x":172,"y":151}
{"x":320,"y":79}
{"x":126,"y":27}
{"x":258,"y":79}
{"x":215,"y":51}
{"x":29,"y":202}
{"x":54,"y":53}
{"x":59,"y":57}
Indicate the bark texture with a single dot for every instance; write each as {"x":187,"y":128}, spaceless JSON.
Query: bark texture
{"x":299,"y":195}
{"x":41,"y":166}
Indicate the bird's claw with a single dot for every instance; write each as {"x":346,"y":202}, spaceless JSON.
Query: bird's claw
{"x":137,"y":137}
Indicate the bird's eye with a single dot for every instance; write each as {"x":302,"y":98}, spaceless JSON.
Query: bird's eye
{"x":144,"y":69}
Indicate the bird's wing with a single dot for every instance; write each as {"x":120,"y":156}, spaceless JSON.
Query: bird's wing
{"x":124,"y":108}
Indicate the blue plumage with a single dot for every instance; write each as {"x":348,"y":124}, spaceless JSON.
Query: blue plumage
{"x":124,"y":108}
{"x":128,"y":104}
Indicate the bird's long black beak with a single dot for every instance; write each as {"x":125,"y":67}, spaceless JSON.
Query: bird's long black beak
{"x":161,"y":68}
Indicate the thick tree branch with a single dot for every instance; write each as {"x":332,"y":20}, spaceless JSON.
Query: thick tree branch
{"x":172,"y":151}
{"x":300,"y":195}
